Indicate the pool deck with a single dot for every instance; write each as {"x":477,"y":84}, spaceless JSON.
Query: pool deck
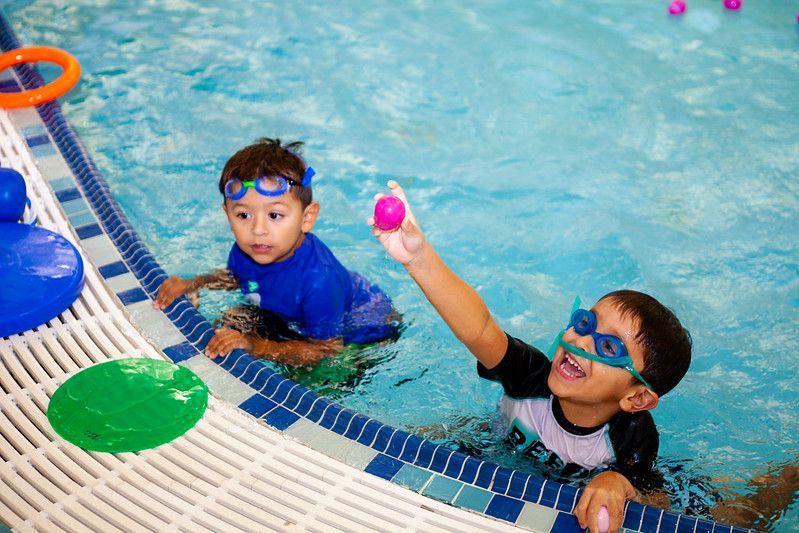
{"x":268,"y":454}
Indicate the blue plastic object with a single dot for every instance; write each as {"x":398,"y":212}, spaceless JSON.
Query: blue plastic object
{"x":41,"y":274}
{"x":12,"y":195}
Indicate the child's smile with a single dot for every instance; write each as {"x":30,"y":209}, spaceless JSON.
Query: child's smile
{"x":569,"y":368}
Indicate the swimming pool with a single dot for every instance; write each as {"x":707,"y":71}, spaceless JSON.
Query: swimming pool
{"x":510,"y":128}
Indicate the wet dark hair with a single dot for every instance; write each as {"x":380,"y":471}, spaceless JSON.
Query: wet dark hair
{"x":667,"y":344}
{"x":269,"y":157}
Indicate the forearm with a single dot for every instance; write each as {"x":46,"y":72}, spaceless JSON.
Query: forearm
{"x":220,"y":279}
{"x":295,"y":352}
{"x":460,"y":306}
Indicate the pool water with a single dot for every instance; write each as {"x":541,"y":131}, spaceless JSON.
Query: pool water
{"x":549,"y":150}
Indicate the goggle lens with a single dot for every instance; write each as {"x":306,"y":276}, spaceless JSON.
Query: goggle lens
{"x":609,"y":346}
{"x":235,"y":189}
{"x":271,"y":185}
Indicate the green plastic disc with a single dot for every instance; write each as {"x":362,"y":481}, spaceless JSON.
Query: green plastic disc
{"x":127,"y":405}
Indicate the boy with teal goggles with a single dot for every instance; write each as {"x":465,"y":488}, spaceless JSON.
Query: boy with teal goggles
{"x":235,"y":189}
{"x":610,"y":350}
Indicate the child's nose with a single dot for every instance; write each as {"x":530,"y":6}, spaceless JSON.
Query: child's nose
{"x":260,"y":227}
{"x":584,"y":342}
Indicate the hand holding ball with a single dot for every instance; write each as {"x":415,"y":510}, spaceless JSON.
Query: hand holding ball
{"x":389,"y":213}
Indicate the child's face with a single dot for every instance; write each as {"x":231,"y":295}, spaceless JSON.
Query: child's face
{"x":591,"y":382}
{"x":269,"y":228}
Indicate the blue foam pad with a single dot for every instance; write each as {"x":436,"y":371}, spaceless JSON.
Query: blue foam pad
{"x":41,"y":274}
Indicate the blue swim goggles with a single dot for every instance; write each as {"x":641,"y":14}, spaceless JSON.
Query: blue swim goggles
{"x":610,"y":350}
{"x":235,"y":189}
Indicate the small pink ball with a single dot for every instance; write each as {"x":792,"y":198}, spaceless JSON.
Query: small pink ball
{"x":389,"y":213}
{"x":733,"y":4}
{"x":677,"y":7}
{"x":603,"y":519}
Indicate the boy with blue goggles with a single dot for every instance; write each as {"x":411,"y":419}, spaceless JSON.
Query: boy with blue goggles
{"x":610,"y":350}
{"x":235,"y":189}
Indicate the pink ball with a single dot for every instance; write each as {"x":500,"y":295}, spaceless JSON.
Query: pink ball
{"x":677,"y":7}
{"x":603,"y":520}
{"x":389,"y":213}
{"x":733,"y":4}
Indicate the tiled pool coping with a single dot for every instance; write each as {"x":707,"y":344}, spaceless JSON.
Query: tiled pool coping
{"x":134,"y":275}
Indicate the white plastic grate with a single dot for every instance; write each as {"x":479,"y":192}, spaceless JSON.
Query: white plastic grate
{"x":229,"y":473}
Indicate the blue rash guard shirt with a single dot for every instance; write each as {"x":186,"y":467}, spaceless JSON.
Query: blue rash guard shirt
{"x":315,"y":294}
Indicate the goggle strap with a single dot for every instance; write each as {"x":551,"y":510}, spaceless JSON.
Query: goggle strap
{"x":554,"y":346}
{"x":575,"y":305}
{"x":588,"y":355}
{"x":306,"y":178}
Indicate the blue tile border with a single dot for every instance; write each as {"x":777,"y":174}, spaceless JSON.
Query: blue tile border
{"x":279,"y":401}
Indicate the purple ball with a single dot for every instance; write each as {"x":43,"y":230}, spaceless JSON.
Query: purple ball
{"x":389,"y":213}
{"x":677,"y":7}
{"x":603,"y":519}
{"x":733,"y":4}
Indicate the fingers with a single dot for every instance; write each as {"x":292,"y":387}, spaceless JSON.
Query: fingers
{"x":224,"y":341}
{"x":169,"y":290}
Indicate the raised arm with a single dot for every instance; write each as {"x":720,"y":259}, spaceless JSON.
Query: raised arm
{"x":175,"y":287}
{"x":459,"y":305}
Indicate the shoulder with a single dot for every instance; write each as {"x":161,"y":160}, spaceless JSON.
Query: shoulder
{"x":634,"y":437}
{"x":523,"y":370}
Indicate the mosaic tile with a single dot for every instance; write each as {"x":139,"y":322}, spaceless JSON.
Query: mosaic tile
{"x":384,"y":466}
{"x":504,"y":508}
{"x":124,"y":283}
{"x":455,"y":465}
{"x":280,"y":418}
{"x":37,"y":140}
{"x":412,"y":478}
{"x":25,"y":117}
{"x":566,"y":498}
{"x":156,"y":326}
{"x":651,"y":519}
{"x":536,"y":517}
{"x":257,"y":405}
{"x":633,"y":515}
{"x":332,"y":445}
{"x":62,"y":184}
{"x":82,"y":219}
{"x":180,"y":352}
{"x":566,"y":523}
{"x":220,"y":382}
{"x":77,"y":205}
{"x":42,"y":151}
{"x":473,"y":498}
{"x":442,"y":488}
{"x":100,"y":250}
{"x":113,"y":269}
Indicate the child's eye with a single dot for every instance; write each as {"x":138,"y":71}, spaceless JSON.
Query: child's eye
{"x":243,"y":216}
{"x":275,"y":216}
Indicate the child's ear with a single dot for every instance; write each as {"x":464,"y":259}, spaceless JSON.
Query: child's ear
{"x":639,"y":399}
{"x":309,"y":215}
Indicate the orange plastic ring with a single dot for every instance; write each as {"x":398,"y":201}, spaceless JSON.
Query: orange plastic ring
{"x":31,"y":54}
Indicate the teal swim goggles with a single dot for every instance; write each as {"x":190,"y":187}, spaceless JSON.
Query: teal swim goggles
{"x":235,"y":189}
{"x":610,"y":350}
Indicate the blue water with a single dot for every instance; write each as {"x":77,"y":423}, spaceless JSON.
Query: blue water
{"x":549,"y":149}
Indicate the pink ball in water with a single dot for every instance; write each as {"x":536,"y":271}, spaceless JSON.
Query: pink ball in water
{"x":603,"y":519}
{"x":389,"y":213}
{"x":733,"y":4}
{"x":677,"y":7}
